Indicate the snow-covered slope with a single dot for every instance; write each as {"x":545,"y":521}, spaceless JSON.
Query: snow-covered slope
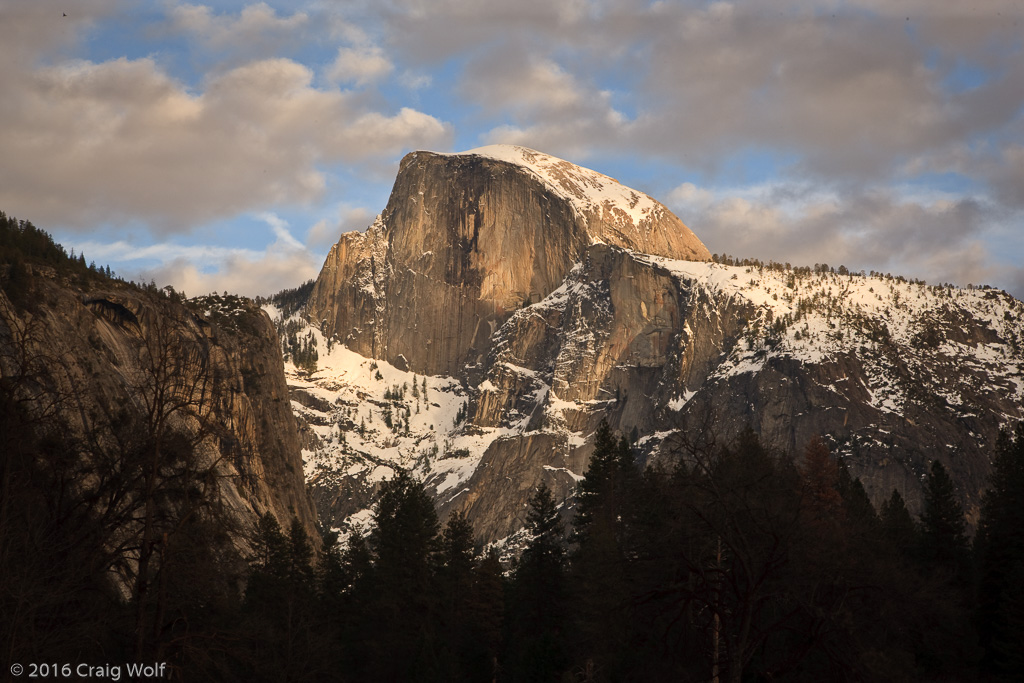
{"x":586,"y":190}
{"x":895,"y":373}
{"x":361,"y":419}
{"x":540,"y":297}
{"x":960,"y":334}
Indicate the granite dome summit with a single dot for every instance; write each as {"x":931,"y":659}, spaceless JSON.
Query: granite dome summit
{"x":534,"y":298}
{"x":618,"y":215}
{"x":465,"y":240}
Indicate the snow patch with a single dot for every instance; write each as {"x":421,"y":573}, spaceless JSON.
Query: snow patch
{"x":585,"y":190}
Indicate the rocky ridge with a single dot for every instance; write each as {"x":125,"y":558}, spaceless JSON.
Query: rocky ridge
{"x":467,"y":239}
{"x":98,"y":356}
{"x":669,"y":349}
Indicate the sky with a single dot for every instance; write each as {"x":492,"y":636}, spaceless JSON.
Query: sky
{"x":225,"y":146}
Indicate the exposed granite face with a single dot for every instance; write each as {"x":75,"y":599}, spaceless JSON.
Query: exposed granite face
{"x":116,"y":348}
{"x":670,"y":354}
{"x":547,"y":297}
{"x":465,"y":241}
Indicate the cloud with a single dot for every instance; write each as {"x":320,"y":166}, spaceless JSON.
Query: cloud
{"x":257,"y":31}
{"x":1008,"y":177}
{"x":29,"y":29}
{"x":839,"y":111}
{"x":813,"y":85}
{"x":550,"y":109}
{"x":415,"y":81}
{"x":200,"y":269}
{"x":325,"y":233}
{"x":926,"y":234}
{"x":360,"y":65}
{"x":849,"y":107}
{"x":121,"y":141}
{"x":845,"y":90}
{"x":428,"y":32}
{"x":520,"y":82}
{"x":263,"y":275}
{"x":280,"y":228}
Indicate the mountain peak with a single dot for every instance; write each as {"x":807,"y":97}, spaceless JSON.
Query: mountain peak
{"x":589,"y":192}
{"x":466,"y":239}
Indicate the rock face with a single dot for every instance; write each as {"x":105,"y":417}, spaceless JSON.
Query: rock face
{"x":537,"y":310}
{"x":895,"y":374}
{"x":467,"y":239}
{"x":210,"y":370}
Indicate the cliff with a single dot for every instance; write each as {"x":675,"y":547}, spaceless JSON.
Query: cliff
{"x":465,"y":240}
{"x":127,"y":371}
{"x":526,"y":299}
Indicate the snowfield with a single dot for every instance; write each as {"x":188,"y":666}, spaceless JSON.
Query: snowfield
{"x":584,"y":189}
{"x":813,"y":317}
{"x":365,"y":418}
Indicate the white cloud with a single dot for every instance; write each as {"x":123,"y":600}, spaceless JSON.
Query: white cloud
{"x":325,"y":232}
{"x":360,"y":65}
{"x":415,"y":81}
{"x":689,"y":195}
{"x":120,"y":140}
{"x":256,"y":31}
{"x":846,"y":90}
{"x":848,"y":106}
{"x":937,"y":236}
{"x":524,"y":83}
{"x":280,"y":228}
{"x":377,"y":134}
{"x":123,"y":251}
{"x":28,"y":29}
{"x":550,"y":109}
{"x":262,"y":275}
{"x":841,"y":99}
{"x":199,"y":269}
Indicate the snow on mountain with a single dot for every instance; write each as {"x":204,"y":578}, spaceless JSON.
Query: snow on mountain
{"x":586,"y":190}
{"x":812,"y":317}
{"x":362,"y":419}
{"x":902,"y":349}
{"x":536,"y":298}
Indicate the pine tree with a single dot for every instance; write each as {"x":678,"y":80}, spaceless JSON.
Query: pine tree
{"x":898,"y":527}
{"x":456,"y":592}
{"x":300,"y":556}
{"x":821,"y":479}
{"x":403,"y":627}
{"x":943,"y":529}
{"x":596,"y":482}
{"x":280,"y":598}
{"x":858,"y":511}
{"x":538,"y":611}
{"x":999,"y":548}
{"x":404,"y":538}
{"x":356,"y":562}
{"x":601,"y":566}
{"x":457,"y":552}
{"x":270,"y":547}
{"x":488,"y":610}
{"x":330,"y":572}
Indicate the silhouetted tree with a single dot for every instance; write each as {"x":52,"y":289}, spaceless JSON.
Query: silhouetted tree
{"x":602,"y":583}
{"x":898,"y":526}
{"x":943,"y":529}
{"x":999,"y":548}
{"x":403,"y":604}
{"x":535,"y":645}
